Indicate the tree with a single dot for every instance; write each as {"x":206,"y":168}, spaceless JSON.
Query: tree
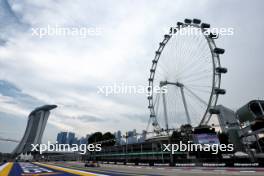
{"x":109,"y":139}
{"x":96,"y":137}
{"x":176,"y":137}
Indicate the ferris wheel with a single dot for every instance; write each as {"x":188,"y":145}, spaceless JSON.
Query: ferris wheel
{"x":187,"y":72}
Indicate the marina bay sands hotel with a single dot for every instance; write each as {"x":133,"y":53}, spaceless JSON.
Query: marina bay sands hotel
{"x":36,"y":124}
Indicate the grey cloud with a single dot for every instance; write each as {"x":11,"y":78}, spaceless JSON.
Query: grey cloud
{"x":138,"y":117}
{"x":90,"y":118}
{"x":10,"y":24}
{"x":10,"y":90}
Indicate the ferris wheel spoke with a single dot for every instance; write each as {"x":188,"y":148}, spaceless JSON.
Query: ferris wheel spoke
{"x":163,"y":70}
{"x":159,"y":76}
{"x":195,"y":112}
{"x":191,"y":51}
{"x":197,"y":61}
{"x":183,"y":54}
{"x":205,"y":91}
{"x":195,"y":74}
{"x":199,"y":53}
{"x":195,"y":78}
{"x":187,"y":51}
{"x":192,"y":66}
{"x":198,"y":78}
{"x":199,"y":86}
{"x":196,"y":96}
{"x":197,"y":105}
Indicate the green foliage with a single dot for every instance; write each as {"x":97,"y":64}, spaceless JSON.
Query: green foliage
{"x":96,"y":137}
{"x":107,"y":139}
{"x":176,"y":137}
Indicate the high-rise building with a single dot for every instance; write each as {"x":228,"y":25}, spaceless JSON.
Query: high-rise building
{"x":143,"y":136}
{"x":71,"y":138}
{"x":82,"y":140}
{"x":59,"y":138}
{"x":118,"y":137}
{"x":36,"y":124}
{"x":67,"y":138}
{"x":132,"y":137}
{"x":62,"y":138}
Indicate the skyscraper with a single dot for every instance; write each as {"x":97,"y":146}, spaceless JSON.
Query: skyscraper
{"x":66,"y":138}
{"x":36,"y":124}
{"x":71,"y":138}
{"x":132,"y":137}
{"x":62,"y":137}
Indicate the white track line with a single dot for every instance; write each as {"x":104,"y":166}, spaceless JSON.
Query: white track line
{"x":3,"y":166}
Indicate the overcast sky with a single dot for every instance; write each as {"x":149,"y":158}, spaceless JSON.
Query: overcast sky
{"x":67,"y":70}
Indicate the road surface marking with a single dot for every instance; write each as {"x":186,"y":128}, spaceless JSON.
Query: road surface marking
{"x":160,"y":168}
{"x":72,"y":171}
{"x":247,"y":171}
{"x":5,"y":169}
{"x":32,"y":169}
{"x":3,"y":166}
